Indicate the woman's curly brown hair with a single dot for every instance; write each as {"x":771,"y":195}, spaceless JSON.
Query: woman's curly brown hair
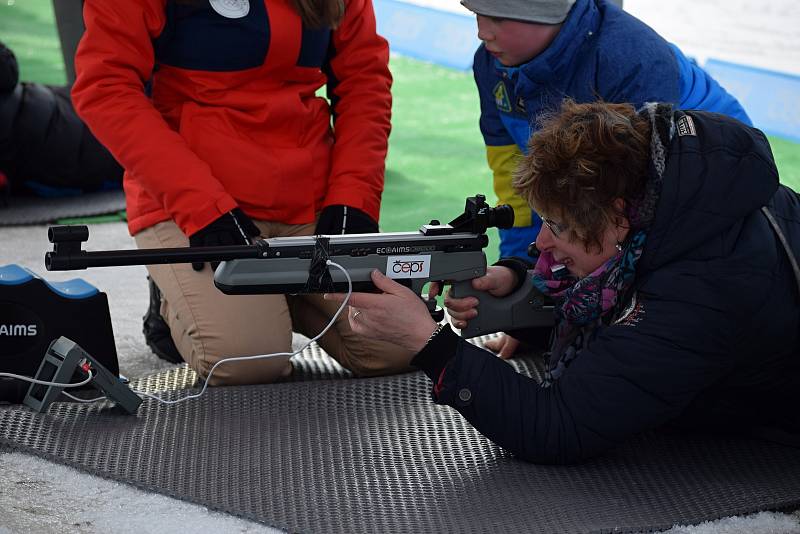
{"x":583,"y":158}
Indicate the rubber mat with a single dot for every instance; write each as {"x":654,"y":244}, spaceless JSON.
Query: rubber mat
{"x":22,"y":210}
{"x":311,"y":364}
{"x":376,"y":455}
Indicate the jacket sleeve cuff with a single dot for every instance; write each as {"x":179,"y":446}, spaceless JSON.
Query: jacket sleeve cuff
{"x":435,"y":356}
{"x":519,"y":266}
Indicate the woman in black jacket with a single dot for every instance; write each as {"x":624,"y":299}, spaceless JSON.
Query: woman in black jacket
{"x":677,"y":296}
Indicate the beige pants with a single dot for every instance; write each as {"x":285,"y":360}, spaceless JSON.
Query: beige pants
{"x":208,"y":326}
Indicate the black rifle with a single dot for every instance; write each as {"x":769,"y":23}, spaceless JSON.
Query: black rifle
{"x":451,"y":253}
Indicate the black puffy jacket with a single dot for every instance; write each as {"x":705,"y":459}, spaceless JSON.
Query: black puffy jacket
{"x":711,"y":337}
{"x":43,"y":141}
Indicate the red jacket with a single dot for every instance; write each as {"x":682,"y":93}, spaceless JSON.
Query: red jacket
{"x":232,"y":117}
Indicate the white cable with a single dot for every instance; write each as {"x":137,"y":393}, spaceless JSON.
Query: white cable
{"x":241,"y":358}
{"x":73,"y":397}
{"x":45,"y":383}
{"x":265,"y":356}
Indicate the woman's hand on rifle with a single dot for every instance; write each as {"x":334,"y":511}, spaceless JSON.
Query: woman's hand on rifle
{"x":498,"y":281}
{"x":397,"y":315}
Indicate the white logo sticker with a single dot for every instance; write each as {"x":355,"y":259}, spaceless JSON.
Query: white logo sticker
{"x":232,"y":9}
{"x":417,"y":266}
{"x":686,"y":126}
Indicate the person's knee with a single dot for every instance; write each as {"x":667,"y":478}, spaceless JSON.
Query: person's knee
{"x":206,"y":355}
{"x":243,"y":372}
{"x":370,"y":358}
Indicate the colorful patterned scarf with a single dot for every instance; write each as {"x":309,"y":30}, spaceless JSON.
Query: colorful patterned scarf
{"x":583,"y":305}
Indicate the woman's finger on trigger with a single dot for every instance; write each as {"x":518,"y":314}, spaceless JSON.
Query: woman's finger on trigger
{"x":465,"y":315}
{"x":482,"y":283}
{"x":491,"y":281}
{"x":453,"y":304}
{"x":461,"y":305}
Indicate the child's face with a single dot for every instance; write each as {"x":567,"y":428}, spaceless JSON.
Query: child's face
{"x":514,"y":42}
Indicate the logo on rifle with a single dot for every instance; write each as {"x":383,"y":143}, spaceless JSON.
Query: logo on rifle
{"x":392,"y":250}
{"x":416,"y":266}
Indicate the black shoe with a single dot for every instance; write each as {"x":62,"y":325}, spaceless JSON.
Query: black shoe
{"x":156,"y":331}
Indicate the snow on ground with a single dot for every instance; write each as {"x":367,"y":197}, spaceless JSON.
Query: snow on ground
{"x":41,"y":497}
{"x":761,"y":523}
{"x":453,"y":6}
{"x":758,"y":34}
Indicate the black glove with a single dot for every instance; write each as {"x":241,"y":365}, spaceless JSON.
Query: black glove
{"x":338,"y":219}
{"x":233,"y":228}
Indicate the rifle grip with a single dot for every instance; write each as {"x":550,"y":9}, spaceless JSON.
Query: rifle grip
{"x":524,"y":308}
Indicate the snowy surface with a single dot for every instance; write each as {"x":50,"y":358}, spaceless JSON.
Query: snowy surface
{"x":40,"y":497}
{"x":453,"y":6}
{"x":761,"y":523}
{"x":758,"y":34}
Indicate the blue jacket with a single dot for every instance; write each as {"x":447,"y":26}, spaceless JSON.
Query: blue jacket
{"x":601,"y":52}
{"x":709,"y":338}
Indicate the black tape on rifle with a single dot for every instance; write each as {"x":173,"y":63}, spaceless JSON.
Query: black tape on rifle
{"x":319,"y":277}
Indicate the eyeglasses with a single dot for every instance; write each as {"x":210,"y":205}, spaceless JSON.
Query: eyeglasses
{"x":557,"y":228}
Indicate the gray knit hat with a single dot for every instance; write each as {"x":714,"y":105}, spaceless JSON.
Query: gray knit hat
{"x":541,"y":11}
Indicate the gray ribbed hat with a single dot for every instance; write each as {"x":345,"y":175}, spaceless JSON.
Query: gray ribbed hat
{"x":541,"y":11}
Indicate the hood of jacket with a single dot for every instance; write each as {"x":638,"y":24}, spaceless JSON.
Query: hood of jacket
{"x":716,"y":173}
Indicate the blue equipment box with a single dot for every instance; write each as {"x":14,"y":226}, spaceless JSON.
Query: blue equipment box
{"x":34,"y":312}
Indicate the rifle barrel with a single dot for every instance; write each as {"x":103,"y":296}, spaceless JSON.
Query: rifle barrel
{"x":80,"y":259}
